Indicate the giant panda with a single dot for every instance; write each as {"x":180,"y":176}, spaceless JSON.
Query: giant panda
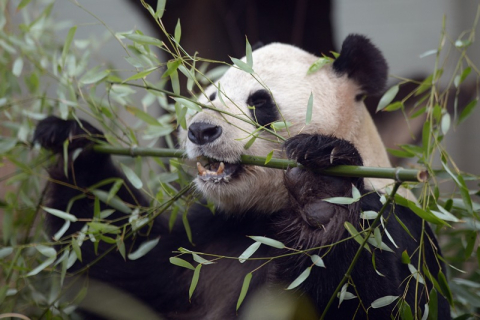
{"x":286,"y":206}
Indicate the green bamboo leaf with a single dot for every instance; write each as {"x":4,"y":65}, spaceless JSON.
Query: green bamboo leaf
{"x":269,"y":157}
{"x":114,"y":189}
{"x":426,"y":215}
{"x":68,"y":42}
{"x":143,"y":39}
{"x":4,"y":252}
{"x":181,"y":263}
{"x":132,"y":176}
{"x":23,"y":4}
{"x":186,"y":226}
{"x":140,"y":75}
{"x":189,"y":104}
{"x":94,"y":75}
{"x":140,"y":114}
{"x":308,"y":117}
{"x":121,"y":247}
{"x":279,"y":125}
{"x":178,"y":32}
{"x":268,"y":242}
{"x":51,"y":255}
{"x":464,"y":192}
{"x":405,"y":257}
{"x":415,"y":273}
{"x":374,"y":242}
{"x":62,"y":230}
{"x":394,"y":106}
{"x":342,"y":293}
{"x":17,"y":67}
{"x":433,"y":305}
{"x":467,"y":111}
{"x":99,"y":227}
{"x":445,"y":124}
{"x":172,"y":66}
{"x":355,"y":193}
{"x":61,"y":214}
{"x":193,"y":284}
{"x":317,"y":260}
{"x":400,"y":153}
{"x":318,"y":64}
{"x":76,"y":249}
{"x":249,"y":252}
{"x":201,"y":260}
{"x":460,"y":78}
{"x":248,"y":53}
{"x":378,"y":237}
{"x":406,"y":311}
{"x":424,"y":86}
{"x":387,"y":97}
{"x":143,"y":249}
{"x":442,"y":281}
{"x":242,"y":65}
{"x":244,"y":290}
{"x":368,"y":215}
{"x":41,"y":267}
{"x":250,"y":142}
{"x":115,"y":202}
{"x":444,"y":214}
{"x":160,"y":9}
{"x":383,"y":301}
{"x":340,"y":200}
{"x":462,"y":43}
{"x":7,"y":144}
{"x":356,"y":236}
{"x":300,"y":279}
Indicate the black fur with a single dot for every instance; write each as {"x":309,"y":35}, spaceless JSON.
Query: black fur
{"x":262,"y":107}
{"x":362,"y":62}
{"x":306,"y":223}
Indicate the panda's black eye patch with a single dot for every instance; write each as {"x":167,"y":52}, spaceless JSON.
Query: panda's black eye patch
{"x":262,"y":107}
{"x":212,"y":96}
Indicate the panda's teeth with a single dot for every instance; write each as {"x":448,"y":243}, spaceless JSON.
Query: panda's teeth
{"x":201,"y":170}
{"x":221,"y":167}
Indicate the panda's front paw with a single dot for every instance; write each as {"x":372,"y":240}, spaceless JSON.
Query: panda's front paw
{"x":52,"y":132}
{"x":318,"y":151}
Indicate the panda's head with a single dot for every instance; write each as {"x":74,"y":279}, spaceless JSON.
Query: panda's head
{"x":277,"y":91}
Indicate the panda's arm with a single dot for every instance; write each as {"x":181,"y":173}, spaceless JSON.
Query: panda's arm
{"x":309,"y":222}
{"x":85,"y":168}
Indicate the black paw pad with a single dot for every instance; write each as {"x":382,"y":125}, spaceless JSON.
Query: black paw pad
{"x":321,"y":151}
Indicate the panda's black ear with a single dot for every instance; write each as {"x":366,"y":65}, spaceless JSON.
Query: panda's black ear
{"x":363,"y":63}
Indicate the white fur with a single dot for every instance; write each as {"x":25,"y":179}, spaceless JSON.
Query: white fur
{"x":282,"y":69}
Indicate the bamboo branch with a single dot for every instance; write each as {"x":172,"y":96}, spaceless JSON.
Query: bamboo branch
{"x":397,"y":174}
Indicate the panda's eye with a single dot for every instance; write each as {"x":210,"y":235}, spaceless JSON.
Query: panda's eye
{"x":259,"y":99}
{"x":262,"y":107}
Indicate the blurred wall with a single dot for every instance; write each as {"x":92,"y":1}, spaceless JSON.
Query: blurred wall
{"x":403,"y":30}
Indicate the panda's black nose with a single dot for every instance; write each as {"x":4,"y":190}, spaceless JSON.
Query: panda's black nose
{"x":202,"y":133}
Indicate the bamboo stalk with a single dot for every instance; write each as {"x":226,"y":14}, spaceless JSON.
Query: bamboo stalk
{"x":397,"y":174}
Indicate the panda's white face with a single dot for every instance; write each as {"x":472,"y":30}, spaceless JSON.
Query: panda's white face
{"x":278,"y":90}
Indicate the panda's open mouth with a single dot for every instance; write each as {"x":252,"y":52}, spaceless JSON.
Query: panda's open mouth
{"x":218,"y":171}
